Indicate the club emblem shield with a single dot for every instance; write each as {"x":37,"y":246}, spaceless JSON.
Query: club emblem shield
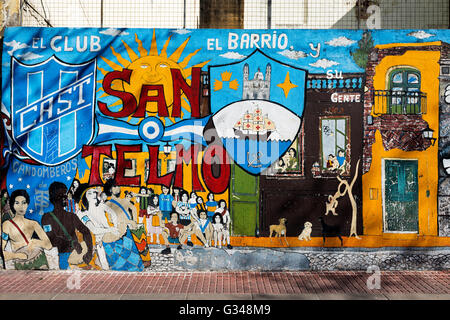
{"x":257,"y":107}
{"x":52,"y":108}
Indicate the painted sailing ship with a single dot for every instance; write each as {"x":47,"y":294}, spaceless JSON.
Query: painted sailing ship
{"x":254,"y":125}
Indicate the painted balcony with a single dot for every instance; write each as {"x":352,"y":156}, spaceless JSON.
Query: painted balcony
{"x":399,"y":102}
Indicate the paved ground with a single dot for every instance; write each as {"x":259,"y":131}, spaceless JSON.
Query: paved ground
{"x":49,"y":285}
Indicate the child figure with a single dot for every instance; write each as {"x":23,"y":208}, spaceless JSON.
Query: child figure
{"x":165,"y":203}
{"x":184,"y":211}
{"x":154,"y":218}
{"x":142,"y":199}
{"x":200,"y":205}
{"x":173,"y":233}
{"x":211,"y":206}
{"x":226,"y":220}
{"x":217,"y":230}
{"x":205,"y":227}
{"x":193,"y":205}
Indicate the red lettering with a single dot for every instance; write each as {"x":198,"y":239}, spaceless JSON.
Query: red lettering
{"x":95,"y":151}
{"x":159,"y":99}
{"x":192,"y":92}
{"x":128,"y":100}
{"x":131,"y":106}
{"x":188,"y":156}
{"x":153,"y":178}
{"x":123,"y":164}
{"x":215,"y":155}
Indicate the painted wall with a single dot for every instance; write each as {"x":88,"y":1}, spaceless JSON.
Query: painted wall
{"x":120,"y":145}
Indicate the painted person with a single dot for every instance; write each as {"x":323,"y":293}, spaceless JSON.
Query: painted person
{"x":193,"y":206}
{"x":281,"y":166}
{"x":200,"y":205}
{"x":27,"y":252}
{"x":142,"y":199}
{"x":131,"y":208}
{"x":6,"y":208}
{"x":340,"y":157}
{"x":60,"y":227}
{"x":205,"y":227}
{"x":72,"y":205}
{"x":211,"y":205}
{"x":173,"y":233}
{"x":165,"y":203}
{"x":74,"y":187}
{"x":218,"y":227}
{"x":154,"y":219}
{"x":332,"y":162}
{"x":176,"y":194}
{"x":92,"y":214}
{"x":177,"y":233}
{"x":184,"y":211}
{"x":123,"y":254}
{"x":342,"y":161}
{"x":194,"y":229}
{"x":226,"y":217}
{"x":111,"y":169}
{"x":74,"y":196}
{"x":192,"y":200}
{"x":125,"y":212}
{"x":102,"y":197}
{"x":292,"y":162}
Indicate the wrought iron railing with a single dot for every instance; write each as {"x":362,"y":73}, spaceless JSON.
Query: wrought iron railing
{"x":344,"y":82}
{"x":399,"y":102}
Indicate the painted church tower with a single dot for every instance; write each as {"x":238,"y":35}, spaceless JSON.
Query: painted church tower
{"x":259,"y":86}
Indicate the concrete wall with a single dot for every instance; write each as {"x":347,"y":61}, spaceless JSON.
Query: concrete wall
{"x":10,"y":14}
{"x":152,"y":149}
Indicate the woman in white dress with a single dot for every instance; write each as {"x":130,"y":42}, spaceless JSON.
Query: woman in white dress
{"x":94,"y":217}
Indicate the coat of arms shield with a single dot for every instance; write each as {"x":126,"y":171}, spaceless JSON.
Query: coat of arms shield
{"x":257,"y":106}
{"x":52,"y":108}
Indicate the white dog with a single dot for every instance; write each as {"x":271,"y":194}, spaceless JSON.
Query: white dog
{"x":306,"y":233}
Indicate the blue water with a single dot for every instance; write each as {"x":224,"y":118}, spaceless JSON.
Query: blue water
{"x":255,"y":156}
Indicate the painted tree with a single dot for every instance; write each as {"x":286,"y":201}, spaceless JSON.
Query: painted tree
{"x":365,"y":45}
{"x":332,"y":200}
{"x":348,"y":190}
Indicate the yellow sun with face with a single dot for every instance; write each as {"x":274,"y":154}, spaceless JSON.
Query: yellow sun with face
{"x":150,"y":67}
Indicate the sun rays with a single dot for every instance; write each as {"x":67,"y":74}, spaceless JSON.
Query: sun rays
{"x":150,"y":67}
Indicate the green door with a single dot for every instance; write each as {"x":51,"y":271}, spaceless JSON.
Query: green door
{"x":401,"y":196}
{"x":244,"y":203}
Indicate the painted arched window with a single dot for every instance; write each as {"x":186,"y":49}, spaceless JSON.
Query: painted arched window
{"x":404,"y":85}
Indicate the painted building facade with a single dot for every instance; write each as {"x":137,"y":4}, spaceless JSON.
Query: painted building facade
{"x":120,"y":146}
{"x":401,"y":180}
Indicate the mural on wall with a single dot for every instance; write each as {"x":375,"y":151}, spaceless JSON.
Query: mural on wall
{"x":116,"y":142}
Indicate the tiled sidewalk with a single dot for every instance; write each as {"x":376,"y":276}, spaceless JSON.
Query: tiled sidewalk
{"x":222,"y":285}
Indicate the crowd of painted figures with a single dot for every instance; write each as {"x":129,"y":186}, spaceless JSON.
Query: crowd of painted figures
{"x":106,"y":228}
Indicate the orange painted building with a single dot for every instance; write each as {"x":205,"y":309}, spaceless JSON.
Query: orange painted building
{"x":400,"y":181}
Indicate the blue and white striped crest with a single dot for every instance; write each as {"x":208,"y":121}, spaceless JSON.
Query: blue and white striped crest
{"x":52,"y":108}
